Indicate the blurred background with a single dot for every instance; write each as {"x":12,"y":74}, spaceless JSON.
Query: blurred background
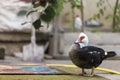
{"x":99,"y":19}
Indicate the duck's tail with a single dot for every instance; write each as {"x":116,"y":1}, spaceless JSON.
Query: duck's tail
{"x":110,"y":54}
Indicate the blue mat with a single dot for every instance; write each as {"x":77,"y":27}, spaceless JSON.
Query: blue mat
{"x":38,"y":69}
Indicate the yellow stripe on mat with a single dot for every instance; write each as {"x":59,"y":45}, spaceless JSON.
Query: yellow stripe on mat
{"x":73,"y":66}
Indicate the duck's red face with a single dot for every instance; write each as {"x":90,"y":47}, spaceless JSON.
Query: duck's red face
{"x":81,"y":38}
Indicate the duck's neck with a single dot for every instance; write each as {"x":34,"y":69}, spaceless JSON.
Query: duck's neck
{"x":80,"y":44}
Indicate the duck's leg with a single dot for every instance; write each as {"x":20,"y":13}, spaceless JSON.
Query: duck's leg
{"x":89,"y":75}
{"x":92,"y":72}
{"x":83,"y":72}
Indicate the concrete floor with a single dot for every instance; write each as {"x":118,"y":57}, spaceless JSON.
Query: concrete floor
{"x":109,"y":64}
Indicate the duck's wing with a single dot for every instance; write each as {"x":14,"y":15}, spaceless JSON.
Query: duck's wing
{"x":93,"y":48}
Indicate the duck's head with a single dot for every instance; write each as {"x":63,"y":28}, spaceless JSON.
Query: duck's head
{"x":82,"y":39}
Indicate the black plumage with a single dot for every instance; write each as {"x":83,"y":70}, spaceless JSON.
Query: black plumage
{"x":87,"y":57}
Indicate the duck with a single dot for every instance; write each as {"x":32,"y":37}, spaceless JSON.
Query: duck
{"x":86,"y":56}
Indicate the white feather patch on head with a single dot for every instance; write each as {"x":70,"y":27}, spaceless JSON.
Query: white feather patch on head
{"x":85,"y":41}
{"x":106,"y":53}
{"x":82,"y":34}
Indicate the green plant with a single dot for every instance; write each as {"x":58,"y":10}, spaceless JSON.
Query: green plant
{"x":74,"y":4}
{"x":115,"y":16}
{"x":46,"y":9}
{"x":95,"y":31}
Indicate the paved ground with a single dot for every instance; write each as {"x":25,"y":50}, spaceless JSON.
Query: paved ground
{"x":110,"y":64}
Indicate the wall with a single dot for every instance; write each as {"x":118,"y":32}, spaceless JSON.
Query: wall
{"x":13,"y":41}
{"x":90,"y":9}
